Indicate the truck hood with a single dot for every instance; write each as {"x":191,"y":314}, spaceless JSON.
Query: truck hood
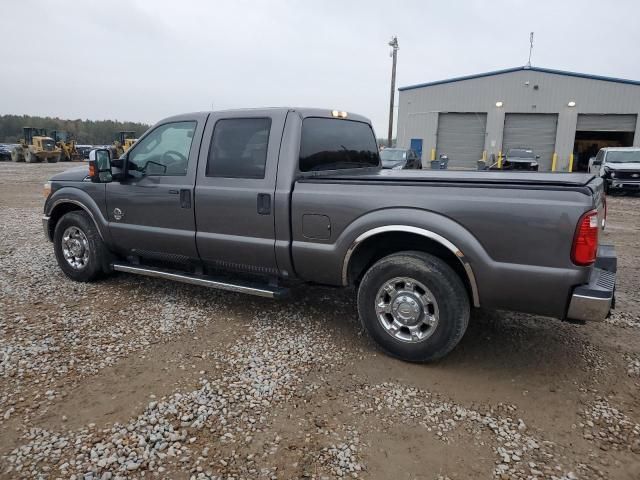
{"x":631,"y":166}
{"x":77,"y":174}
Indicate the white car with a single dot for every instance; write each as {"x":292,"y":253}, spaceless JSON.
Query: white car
{"x":619,"y":167}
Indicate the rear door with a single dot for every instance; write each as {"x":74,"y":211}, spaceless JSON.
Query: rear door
{"x":234,"y":192}
{"x":151,"y":212}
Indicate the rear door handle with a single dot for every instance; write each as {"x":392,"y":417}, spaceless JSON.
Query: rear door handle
{"x":264,"y":204}
{"x":185,"y":198}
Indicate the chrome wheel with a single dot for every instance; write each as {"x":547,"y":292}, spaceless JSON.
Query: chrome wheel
{"x":75,"y":248}
{"x":407,"y":310}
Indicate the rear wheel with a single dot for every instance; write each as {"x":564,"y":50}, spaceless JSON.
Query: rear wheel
{"x":30,"y":157}
{"x":414,"y":306}
{"x":54,"y":159}
{"x":79,"y":250}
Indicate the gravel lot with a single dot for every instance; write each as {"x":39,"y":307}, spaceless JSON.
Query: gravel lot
{"x":134,"y":377}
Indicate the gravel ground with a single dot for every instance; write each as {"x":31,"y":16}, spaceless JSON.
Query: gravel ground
{"x":133,"y":377}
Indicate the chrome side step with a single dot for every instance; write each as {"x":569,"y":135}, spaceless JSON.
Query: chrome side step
{"x":257,"y":289}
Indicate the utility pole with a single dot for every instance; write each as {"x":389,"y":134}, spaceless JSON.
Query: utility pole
{"x":394,"y":53}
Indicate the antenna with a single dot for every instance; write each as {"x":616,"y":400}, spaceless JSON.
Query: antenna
{"x":528,"y":65}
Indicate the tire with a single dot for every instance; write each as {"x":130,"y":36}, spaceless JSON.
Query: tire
{"x":17,"y":155}
{"x":97,"y":255}
{"x":30,"y":157}
{"x":54,"y":159}
{"x":448,"y":305}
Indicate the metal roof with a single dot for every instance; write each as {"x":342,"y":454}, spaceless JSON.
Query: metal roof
{"x":518,"y":69}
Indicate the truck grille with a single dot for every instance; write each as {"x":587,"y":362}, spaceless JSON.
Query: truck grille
{"x":628,"y":175}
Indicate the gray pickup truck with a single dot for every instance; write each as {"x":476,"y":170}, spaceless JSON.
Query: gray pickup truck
{"x":258,"y":201}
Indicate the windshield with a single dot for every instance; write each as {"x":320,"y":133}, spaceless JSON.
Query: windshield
{"x":521,"y":153}
{"x":393,"y":155}
{"x":632,"y":156}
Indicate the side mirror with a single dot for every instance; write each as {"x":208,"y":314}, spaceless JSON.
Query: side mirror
{"x":537,"y":157}
{"x":100,"y":166}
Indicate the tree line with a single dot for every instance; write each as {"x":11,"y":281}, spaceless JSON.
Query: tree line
{"x":90,"y":132}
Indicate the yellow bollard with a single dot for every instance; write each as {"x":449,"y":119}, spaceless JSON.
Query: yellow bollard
{"x":499,"y":159}
{"x":433,"y":154}
{"x":554,"y":161}
{"x":571,"y":162}
{"x":484,"y":155}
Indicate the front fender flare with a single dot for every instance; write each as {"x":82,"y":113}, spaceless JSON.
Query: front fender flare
{"x":70,"y":195}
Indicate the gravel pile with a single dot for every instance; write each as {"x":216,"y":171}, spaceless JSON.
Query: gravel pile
{"x":609,"y":428}
{"x":520,"y":454}
{"x":624,"y":319}
{"x":633,"y":369}
{"x":264,"y":369}
{"x":73,"y":330}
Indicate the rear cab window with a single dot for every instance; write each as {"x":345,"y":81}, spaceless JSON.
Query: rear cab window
{"x":337,"y":144}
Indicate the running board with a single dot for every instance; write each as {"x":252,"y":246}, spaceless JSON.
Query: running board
{"x":257,"y":289}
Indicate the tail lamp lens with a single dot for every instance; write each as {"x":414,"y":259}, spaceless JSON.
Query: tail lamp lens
{"x":585,"y":242}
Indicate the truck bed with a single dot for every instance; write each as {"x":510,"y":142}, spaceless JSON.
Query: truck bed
{"x":531,"y":179}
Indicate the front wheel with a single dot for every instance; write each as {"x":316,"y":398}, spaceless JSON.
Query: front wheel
{"x":414,"y":306}
{"x":79,"y":250}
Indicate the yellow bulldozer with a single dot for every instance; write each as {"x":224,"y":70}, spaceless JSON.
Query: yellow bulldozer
{"x":122,"y":143}
{"x":36,"y":146}
{"x":66,"y":142}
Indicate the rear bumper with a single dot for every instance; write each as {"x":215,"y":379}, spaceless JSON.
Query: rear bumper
{"x":594,"y":300}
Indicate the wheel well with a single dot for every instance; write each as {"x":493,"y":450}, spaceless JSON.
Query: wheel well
{"x":378,"y":246}
{"x":58,"y":212}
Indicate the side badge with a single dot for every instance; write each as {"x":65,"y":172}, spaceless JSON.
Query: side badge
{"x":117,"y":214}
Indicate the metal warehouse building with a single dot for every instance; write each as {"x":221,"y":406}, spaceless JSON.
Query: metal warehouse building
{"x":564,"y":116}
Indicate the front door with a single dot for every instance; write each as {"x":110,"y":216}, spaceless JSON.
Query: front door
{"x":151,"y":212}
{"x":235,"y":191}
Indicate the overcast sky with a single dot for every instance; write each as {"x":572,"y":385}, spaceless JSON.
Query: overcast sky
{"x":147,"y":59}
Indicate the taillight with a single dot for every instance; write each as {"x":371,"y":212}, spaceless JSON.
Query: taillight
{"x":585,"y":241}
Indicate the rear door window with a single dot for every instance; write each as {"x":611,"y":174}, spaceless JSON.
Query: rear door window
{"x":239,"y":148}
{"x":334,"y":144}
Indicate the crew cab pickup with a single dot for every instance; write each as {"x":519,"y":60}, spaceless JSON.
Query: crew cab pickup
{"x":260,"y":201}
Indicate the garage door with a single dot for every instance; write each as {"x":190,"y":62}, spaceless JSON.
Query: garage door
{"x":461,"y":137}
{"x":606,"y":123}
{"x":534,"y":130}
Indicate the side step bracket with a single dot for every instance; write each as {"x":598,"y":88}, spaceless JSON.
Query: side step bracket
{"x":260,"y":290}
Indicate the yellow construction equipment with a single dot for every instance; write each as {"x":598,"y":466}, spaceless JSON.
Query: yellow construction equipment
{"x":66,"y":142}
{"x":124,"y":142}
{"x":36,"y":146}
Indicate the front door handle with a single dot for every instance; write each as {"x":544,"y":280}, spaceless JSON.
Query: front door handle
{"x":185,"y":198}
{"x":264,"y":204}
{"x":174,"y":191}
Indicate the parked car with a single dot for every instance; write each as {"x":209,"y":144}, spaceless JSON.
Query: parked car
{"x":255,"y":201}
{"x":521,"y":158}
{"x":5,"y":151}
{"x":84,"y":150}
{"x":619,"y":168}
{"x":400,"y":159}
